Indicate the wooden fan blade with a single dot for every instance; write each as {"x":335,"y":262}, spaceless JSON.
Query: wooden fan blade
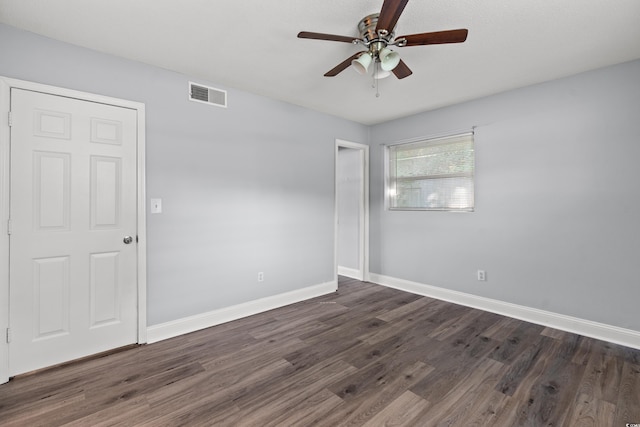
{"x":438,"y":37}
{"x":389,"y":14}
{"x":329,"y":37}
{"x":401,"y":71}
{"x":343,"y":65}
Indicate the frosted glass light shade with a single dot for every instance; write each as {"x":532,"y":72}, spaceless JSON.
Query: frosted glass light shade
{"x":389,"y":59}
{"x":361,"y":63}
{"x":379,"y":73}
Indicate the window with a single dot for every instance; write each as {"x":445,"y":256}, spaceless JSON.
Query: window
{"x":434,"y":174}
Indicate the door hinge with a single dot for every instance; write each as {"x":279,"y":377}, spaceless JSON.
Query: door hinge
{"x":9,"y":227}
{"x":8,"y":335}
{"x":10,"y":119}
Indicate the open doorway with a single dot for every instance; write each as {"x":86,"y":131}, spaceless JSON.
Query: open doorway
{"x":352,"y":210}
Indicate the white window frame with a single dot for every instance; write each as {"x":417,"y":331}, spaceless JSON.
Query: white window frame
{"x":391,"y":183}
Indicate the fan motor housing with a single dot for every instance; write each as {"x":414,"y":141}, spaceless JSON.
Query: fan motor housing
{"x":367,"y":28}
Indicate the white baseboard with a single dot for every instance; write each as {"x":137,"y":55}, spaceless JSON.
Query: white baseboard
{"x":189,"y":324}
{"x":349,"y":272}
{"x":601,"y":331}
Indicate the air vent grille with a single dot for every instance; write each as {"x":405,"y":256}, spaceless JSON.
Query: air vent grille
{"x":207,"y":95}
{"x":199,"y":93}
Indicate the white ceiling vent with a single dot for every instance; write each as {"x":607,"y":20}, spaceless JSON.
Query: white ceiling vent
{"x":207,"y":95}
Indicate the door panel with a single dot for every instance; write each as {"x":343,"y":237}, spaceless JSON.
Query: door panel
{"x":106,"y":187}
{"x":51,"y":297}
{"x":51,"y":190}
{"x":104,"y":289}
{"x":73,"y":281}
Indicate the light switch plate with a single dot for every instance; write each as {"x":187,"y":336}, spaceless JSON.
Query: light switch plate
{"x":156,"y":206}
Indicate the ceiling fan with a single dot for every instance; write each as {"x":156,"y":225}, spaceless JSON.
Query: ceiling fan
{"x":377,"y":35}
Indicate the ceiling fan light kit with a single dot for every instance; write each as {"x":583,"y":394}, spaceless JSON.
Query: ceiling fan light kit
{"x":389,"y":59}
{"x":379,"y":73}
{"x":377,"y":35}
{"x":362,"y":63}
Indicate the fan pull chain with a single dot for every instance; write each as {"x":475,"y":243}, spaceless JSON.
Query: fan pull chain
{"x":374,"y":75}
{"x":376,"y":81}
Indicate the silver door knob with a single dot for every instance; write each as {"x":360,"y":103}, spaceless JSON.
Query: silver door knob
{"x":127,"y":239}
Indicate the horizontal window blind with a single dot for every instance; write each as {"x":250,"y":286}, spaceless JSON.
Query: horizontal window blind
{"x":434,"y":174}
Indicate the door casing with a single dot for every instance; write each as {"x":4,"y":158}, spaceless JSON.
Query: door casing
{"x":5,"y":104}
{"x":363,"y":244}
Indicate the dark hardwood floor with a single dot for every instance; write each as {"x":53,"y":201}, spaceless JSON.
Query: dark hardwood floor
{"x":364,"y":356}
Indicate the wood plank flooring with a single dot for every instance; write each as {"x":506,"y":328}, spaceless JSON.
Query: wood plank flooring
{"x":364,"y":356}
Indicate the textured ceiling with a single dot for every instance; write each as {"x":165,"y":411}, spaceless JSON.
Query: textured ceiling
{"x":252,"y":45}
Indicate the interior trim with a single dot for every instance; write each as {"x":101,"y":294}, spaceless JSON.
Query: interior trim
{"x":194,"y":323}
{"x":363,"y":244}
{"x":588,"y":328}
{"x":349,"y":272}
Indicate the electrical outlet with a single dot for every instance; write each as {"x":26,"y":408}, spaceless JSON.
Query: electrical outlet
{"x":261,"y":277}
{"x":482,"y":275}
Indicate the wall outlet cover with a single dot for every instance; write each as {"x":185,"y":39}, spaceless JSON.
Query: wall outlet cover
{"x":156,"y":206}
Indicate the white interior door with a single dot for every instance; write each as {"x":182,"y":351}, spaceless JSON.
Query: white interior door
{"x":72,"y":277}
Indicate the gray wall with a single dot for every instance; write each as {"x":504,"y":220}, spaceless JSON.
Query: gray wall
{"x":245,"y":189}
{"x":349,"y":180}
{"x":556,"y":224}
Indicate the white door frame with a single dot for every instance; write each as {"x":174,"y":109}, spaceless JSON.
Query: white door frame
{"x":363,"y":244}
{"x":5,"y":105}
